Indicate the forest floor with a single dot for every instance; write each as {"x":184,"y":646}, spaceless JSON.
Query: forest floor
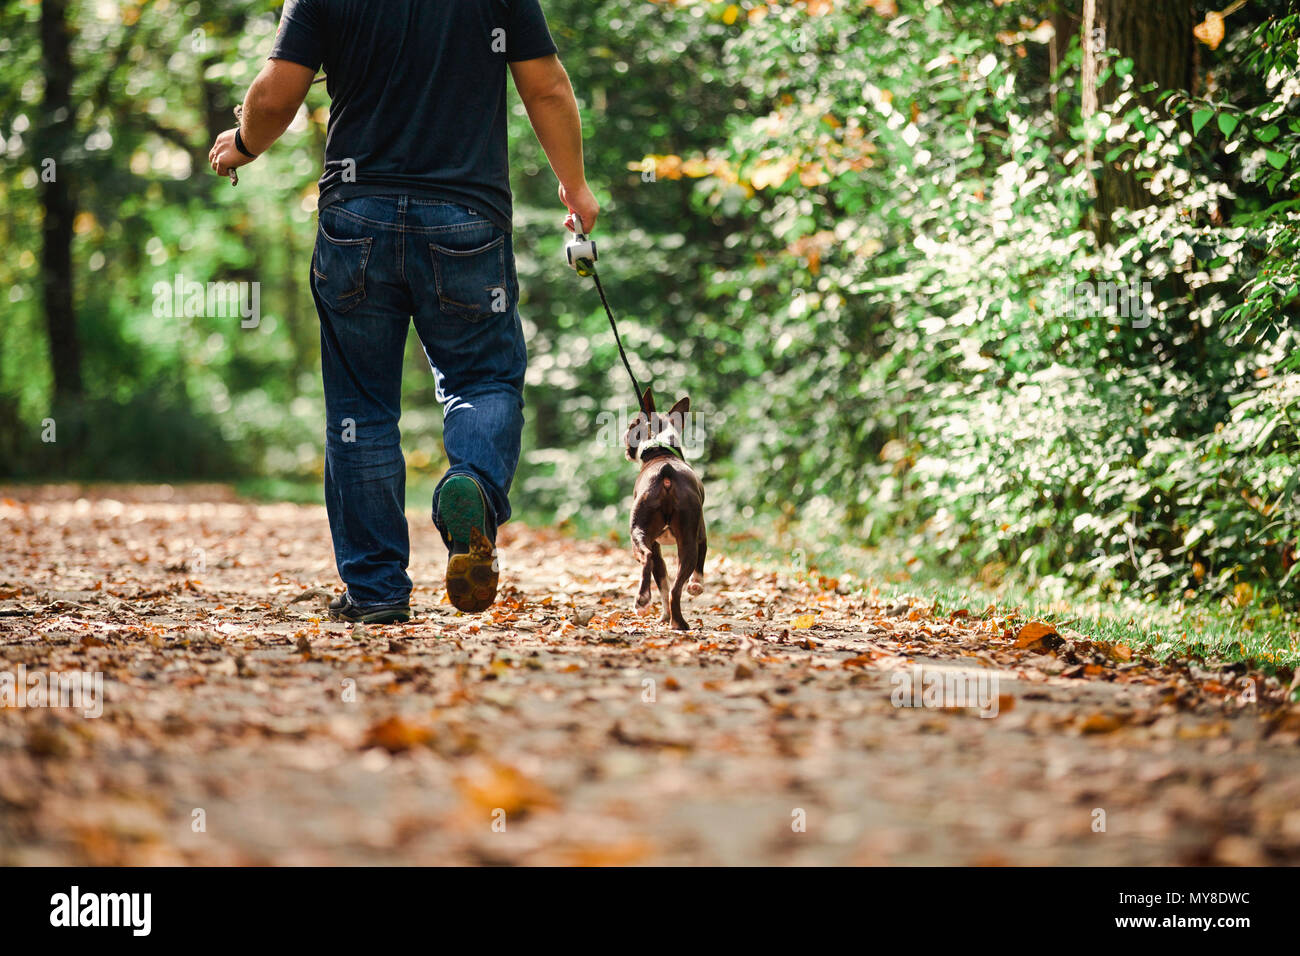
{"x":240,"y":726}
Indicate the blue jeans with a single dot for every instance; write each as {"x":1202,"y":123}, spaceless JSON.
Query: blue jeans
{"x":381,"y":262}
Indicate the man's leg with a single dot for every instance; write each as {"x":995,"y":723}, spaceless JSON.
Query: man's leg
{"x":364,"y":322}
{"x":460,"y":268}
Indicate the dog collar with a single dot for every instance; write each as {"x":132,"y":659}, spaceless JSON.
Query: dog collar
{"x":657,"y":442}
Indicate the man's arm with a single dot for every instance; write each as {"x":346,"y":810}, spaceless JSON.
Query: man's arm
{"x":553,"y":111}
{"x":269,"y":108}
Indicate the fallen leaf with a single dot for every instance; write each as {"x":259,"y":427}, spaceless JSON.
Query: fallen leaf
{"x":503,"y":787}
{"x":624,"y":853}
{"x":1037,"y":633}
{"x":397,"y":734}
{"x":1100,"y":724}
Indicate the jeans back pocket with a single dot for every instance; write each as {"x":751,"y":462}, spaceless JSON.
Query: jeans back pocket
{"x":339,"y":269}
{"x":471,"y":282}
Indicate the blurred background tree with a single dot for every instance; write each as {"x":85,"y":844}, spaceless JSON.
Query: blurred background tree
{"x":854,"y":231}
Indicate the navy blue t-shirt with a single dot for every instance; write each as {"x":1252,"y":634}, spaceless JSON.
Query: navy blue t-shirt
{"x":417,"y":93}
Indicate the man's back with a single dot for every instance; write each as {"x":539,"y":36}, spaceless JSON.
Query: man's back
{"x":418,"y":93}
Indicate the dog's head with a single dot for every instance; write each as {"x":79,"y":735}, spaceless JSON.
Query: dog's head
{"x":657,"y":431}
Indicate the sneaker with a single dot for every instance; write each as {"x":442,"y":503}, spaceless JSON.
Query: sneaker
{"x":342,"y":609}
{"x":472,"y":568}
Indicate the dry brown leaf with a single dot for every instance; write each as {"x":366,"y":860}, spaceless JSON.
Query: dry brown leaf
{"x":1211,"y":31}
{"x":624,"y":853}
{"x":1100,"y":724}
{"x":862,"y":660}
{"x":1036,"y":632}
{"x":396,"y":734}
{"x":503,"y":787}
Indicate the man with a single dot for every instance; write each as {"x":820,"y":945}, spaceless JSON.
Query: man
{"x":414,"y":226}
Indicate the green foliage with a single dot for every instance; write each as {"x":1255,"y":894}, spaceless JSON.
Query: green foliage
{"x":929,"y":375}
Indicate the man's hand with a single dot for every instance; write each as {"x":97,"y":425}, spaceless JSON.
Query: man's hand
{"x":268,"y":109}
{"x":582,"y":202}
{"x":224,"y":156}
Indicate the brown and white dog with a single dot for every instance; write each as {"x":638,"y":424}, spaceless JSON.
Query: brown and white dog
{"x":667,"y":507}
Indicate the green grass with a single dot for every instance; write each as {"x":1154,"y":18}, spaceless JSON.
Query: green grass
{"x":294,"y":490}
{"x":1262,"y":634}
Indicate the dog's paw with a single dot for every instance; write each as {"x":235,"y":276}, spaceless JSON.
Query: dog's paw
{"x":642,"y":599}
{"x":694,"y":588}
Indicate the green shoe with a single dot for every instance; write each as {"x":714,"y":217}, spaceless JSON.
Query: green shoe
{"x":472,"y":568}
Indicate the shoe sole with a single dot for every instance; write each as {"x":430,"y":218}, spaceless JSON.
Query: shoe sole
{"x":386,"y":616}
{"x":472,"y":576}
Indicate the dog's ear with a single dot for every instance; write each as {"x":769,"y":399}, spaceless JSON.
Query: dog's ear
{"x":648,"y":400}
{"x":680,"y":409}
{"x":636,"y":427}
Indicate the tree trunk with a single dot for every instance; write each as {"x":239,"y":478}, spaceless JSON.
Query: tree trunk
{"x":59,"y":203}
{"x":1157,"y":36}
{"x":1066,"y":20}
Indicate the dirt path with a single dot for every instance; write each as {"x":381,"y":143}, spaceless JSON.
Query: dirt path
{"x":238,"y":727}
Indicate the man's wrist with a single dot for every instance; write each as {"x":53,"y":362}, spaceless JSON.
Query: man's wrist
{"x":239,"y":145}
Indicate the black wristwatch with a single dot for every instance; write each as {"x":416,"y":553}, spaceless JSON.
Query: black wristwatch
{"x":239,"y":145}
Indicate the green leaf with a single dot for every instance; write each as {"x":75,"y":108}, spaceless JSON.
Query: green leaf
{"x":1227,"y":123}
{"x":1199,"y":119}
{"x":1268,"y":134}
{"x":1275,"y":159}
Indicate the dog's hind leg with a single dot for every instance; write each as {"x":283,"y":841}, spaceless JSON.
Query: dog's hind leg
{"x":697,"y":579}
{"x":643,"y":550}
{"x":661,"y":577}
{"x":643,"y":595}
{"x":688,"y":551}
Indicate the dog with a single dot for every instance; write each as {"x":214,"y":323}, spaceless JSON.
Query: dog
{"x":667,"y":508}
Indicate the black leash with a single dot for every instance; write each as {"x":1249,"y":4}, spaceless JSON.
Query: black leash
{"x":636,"y":386}
{"x":580,"y":253}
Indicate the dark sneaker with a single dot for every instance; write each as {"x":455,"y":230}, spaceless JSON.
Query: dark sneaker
{"x":472,"y":568}
{"x":342,"y":609}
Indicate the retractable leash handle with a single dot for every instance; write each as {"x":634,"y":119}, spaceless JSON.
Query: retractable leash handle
{"x":580,"y":252}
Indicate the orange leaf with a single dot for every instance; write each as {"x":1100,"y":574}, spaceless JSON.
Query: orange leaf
{"x":1034,"y":632}
{"x":616,"y":854}
{"x":1100,"y":724}
{"x":503,"y":787}
{"x":862,"y":660}
{"x":397,"y":734}
{"x":1211,"y":31}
